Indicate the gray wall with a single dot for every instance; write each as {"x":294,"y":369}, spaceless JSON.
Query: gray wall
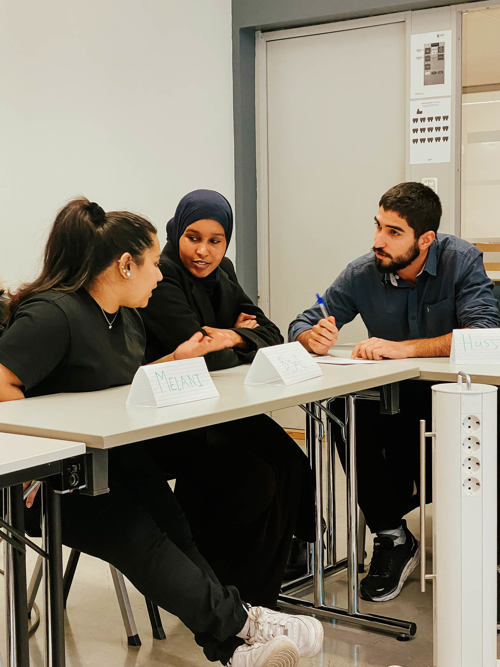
{"x":247,"y":17}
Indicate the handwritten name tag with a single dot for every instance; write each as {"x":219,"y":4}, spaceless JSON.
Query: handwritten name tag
{"x":289,"y":363}
{"x":171,"y":383}
{"x":476,"y":345}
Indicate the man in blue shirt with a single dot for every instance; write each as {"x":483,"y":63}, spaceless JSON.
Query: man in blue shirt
{"x":411,"y":291}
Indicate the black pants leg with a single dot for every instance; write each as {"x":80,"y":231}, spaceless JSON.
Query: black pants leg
{"x":140,"y":529}
{"x":387,"y":450}
{"x":246,"y":488}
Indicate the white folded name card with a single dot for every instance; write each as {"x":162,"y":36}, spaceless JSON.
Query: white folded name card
{"x":288,"y":362}
{"x":476,"y":345}
{"x":171,"y":383}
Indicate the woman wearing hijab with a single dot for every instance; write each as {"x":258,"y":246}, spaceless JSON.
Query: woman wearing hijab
{"x":246,"y":486}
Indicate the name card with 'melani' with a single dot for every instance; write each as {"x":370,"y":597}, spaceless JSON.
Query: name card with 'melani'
{"x":288,"y":363}
{"x":475,"y":346}
{"x":172,"y":383}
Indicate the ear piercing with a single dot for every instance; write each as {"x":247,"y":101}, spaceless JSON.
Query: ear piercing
{"x":125,"y":273}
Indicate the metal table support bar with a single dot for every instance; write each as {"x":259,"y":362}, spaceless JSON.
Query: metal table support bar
{"x":17,"y":620}
{"x":331,"y":518}
{"x":53,"y":567}
{"x":352,"y":509}
{"x":315,"y":432}
{"x":374,"y":622}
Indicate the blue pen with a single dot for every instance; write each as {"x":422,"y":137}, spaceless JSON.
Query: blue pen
{"x":321,"y":304}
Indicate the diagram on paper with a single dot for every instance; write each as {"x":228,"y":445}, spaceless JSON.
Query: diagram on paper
{"x":430,"y":64}
{"x":430,"y":130}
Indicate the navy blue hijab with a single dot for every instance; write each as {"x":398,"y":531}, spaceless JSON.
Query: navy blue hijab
{"x":199,"y":205}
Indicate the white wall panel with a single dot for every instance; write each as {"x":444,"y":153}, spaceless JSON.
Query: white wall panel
{"x":335,"y":142}
{"x":128,"y":103}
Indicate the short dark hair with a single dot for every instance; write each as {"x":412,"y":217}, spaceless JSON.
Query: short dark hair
{"x":83,"y":241}
{"x":418,"y":204}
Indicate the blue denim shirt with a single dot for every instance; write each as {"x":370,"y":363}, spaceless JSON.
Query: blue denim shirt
{"x":452,"y":292}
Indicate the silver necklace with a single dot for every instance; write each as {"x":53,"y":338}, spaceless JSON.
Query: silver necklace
{"x":112,"y":321}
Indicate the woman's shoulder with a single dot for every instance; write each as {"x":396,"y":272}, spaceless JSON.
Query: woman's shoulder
{"x":50,"y":299}
{"x":43,"y":301}
{"x":75,"y":308}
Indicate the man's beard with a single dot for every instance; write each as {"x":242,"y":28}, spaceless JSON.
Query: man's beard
{"x":398,"y":263}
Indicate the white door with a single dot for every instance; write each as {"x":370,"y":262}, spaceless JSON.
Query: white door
{"x":331,"y":139}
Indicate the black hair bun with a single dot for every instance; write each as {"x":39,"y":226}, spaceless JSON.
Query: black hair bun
{"x":97,"y":214}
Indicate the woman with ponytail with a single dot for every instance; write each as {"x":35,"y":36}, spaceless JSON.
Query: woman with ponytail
{"x":75,"y":328}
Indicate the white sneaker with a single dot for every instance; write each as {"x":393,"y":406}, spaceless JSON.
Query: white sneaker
{"x":278,"y":652}
{"x":304,"y":631}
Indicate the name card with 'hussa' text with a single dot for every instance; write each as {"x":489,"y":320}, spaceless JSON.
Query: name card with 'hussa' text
{"x":288,"y":363}
{"x":171,"y":383}
{"x":475,"y":346}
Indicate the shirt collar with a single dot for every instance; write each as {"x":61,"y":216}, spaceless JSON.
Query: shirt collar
{"x":432,"y":259}
{"x":394,"y":278}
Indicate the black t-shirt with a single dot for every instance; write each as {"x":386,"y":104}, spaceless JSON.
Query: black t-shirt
{"x":61,"y":342}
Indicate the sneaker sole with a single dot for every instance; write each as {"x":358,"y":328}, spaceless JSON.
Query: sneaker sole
{"x":316,"y":631}
{"x":283,"y":657}
{"x":408,"y":569}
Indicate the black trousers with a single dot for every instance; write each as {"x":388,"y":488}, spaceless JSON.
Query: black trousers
{"x":246,"y":488}
{"x":140,"y":529}
{"x":387,"y":451}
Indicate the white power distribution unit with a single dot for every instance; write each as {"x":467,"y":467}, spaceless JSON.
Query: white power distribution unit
{"x":464,"y":524}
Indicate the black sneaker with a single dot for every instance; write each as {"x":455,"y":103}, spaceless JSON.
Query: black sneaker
{"x":389,"y":567}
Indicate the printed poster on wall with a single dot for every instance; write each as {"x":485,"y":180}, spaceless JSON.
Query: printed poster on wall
{"x":431,"y":64}
{"x":430,"y":130}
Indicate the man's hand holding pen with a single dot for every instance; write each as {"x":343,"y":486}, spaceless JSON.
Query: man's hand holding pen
{"x":321,"y":336}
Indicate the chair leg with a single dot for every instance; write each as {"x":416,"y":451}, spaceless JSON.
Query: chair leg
{"x":154,"y":617}
{"x":121,"y":593}
{"x":133,"y":638}
{"x":36,"y":578}
{"x":69,"y":573}
{"x":34,"y":584}
{"x":361,"y":541}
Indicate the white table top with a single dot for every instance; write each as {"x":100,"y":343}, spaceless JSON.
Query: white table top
{"x":102,"y":419}
{"x":19,"y":452}
{"x":441,"y":369}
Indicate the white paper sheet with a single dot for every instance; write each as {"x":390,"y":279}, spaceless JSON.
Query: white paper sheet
{"x":430,"y":130}
{"x":342,"y":361}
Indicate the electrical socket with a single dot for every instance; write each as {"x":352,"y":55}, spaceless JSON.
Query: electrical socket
{"x":471,"y":464}
{"x":471,"y":443}
{"x":471,"y":486}
{"x":471,"y":423}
